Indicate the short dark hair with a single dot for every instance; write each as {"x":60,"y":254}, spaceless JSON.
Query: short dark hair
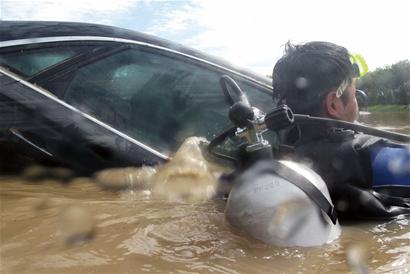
{"x":307,"y":72}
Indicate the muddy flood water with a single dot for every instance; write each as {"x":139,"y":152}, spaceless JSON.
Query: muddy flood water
{"x":78,"y":226}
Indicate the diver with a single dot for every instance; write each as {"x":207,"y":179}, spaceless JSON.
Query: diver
{"x":368,"y":177}
{"x":322,"y":166}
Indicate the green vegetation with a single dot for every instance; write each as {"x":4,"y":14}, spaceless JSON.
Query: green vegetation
{"x":389,"y":108}
{"x":388,"y":86}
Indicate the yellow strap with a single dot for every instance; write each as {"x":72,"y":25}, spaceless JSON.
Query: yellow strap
{"x":361,"y":63}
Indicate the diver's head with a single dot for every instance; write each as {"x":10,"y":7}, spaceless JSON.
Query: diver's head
{"x":317,"y":78}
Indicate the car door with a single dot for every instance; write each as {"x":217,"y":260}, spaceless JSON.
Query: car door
{"x":37,"y":127}
{"x":117,"y":104}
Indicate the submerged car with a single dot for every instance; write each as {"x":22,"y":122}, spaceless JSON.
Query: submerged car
{"x":88,"y":97}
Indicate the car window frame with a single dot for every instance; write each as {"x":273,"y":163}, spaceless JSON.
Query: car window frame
{"x":112,"y":47}
{"x":33,"y":47}
{"x":176,"y":57}
{"x":53,"y":73}
{"x":125,"y":43}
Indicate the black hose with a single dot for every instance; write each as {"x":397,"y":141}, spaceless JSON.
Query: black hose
{"x":306,"y":119}
{"x":282,"y":117}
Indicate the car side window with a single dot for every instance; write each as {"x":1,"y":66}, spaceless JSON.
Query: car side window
{"x":29,"y":60}
{"x":259,"y":97}
{"x":154,"y":98}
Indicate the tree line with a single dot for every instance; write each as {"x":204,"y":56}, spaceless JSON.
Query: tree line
{"x":388,"y":85}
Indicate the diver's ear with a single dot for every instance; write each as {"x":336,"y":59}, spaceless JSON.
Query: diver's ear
{"x":333,"y":106}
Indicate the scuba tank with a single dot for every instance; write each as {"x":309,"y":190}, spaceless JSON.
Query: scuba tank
{"x":273,"y":209}
{"x":278,"y":202}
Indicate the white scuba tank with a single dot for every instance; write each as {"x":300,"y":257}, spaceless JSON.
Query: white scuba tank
{"x":277,"y":212}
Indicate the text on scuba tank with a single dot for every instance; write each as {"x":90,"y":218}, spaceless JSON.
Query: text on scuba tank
{"x":266,"y":186}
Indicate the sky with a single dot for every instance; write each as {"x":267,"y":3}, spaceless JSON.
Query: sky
{"x":251,"y":34}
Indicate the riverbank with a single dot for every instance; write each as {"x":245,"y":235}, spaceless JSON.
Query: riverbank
{"x":389,"y":108}
{"x":389,"y":117}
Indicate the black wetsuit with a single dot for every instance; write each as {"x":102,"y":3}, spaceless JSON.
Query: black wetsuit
{"x":368,"y":177}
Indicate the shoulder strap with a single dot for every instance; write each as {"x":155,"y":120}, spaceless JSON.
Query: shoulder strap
{"x":306,"y":186}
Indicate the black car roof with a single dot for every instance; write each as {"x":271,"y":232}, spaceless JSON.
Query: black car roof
{"x":16,"y":30}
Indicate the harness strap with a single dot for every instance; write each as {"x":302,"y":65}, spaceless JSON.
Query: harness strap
{"x":303,"y":184}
